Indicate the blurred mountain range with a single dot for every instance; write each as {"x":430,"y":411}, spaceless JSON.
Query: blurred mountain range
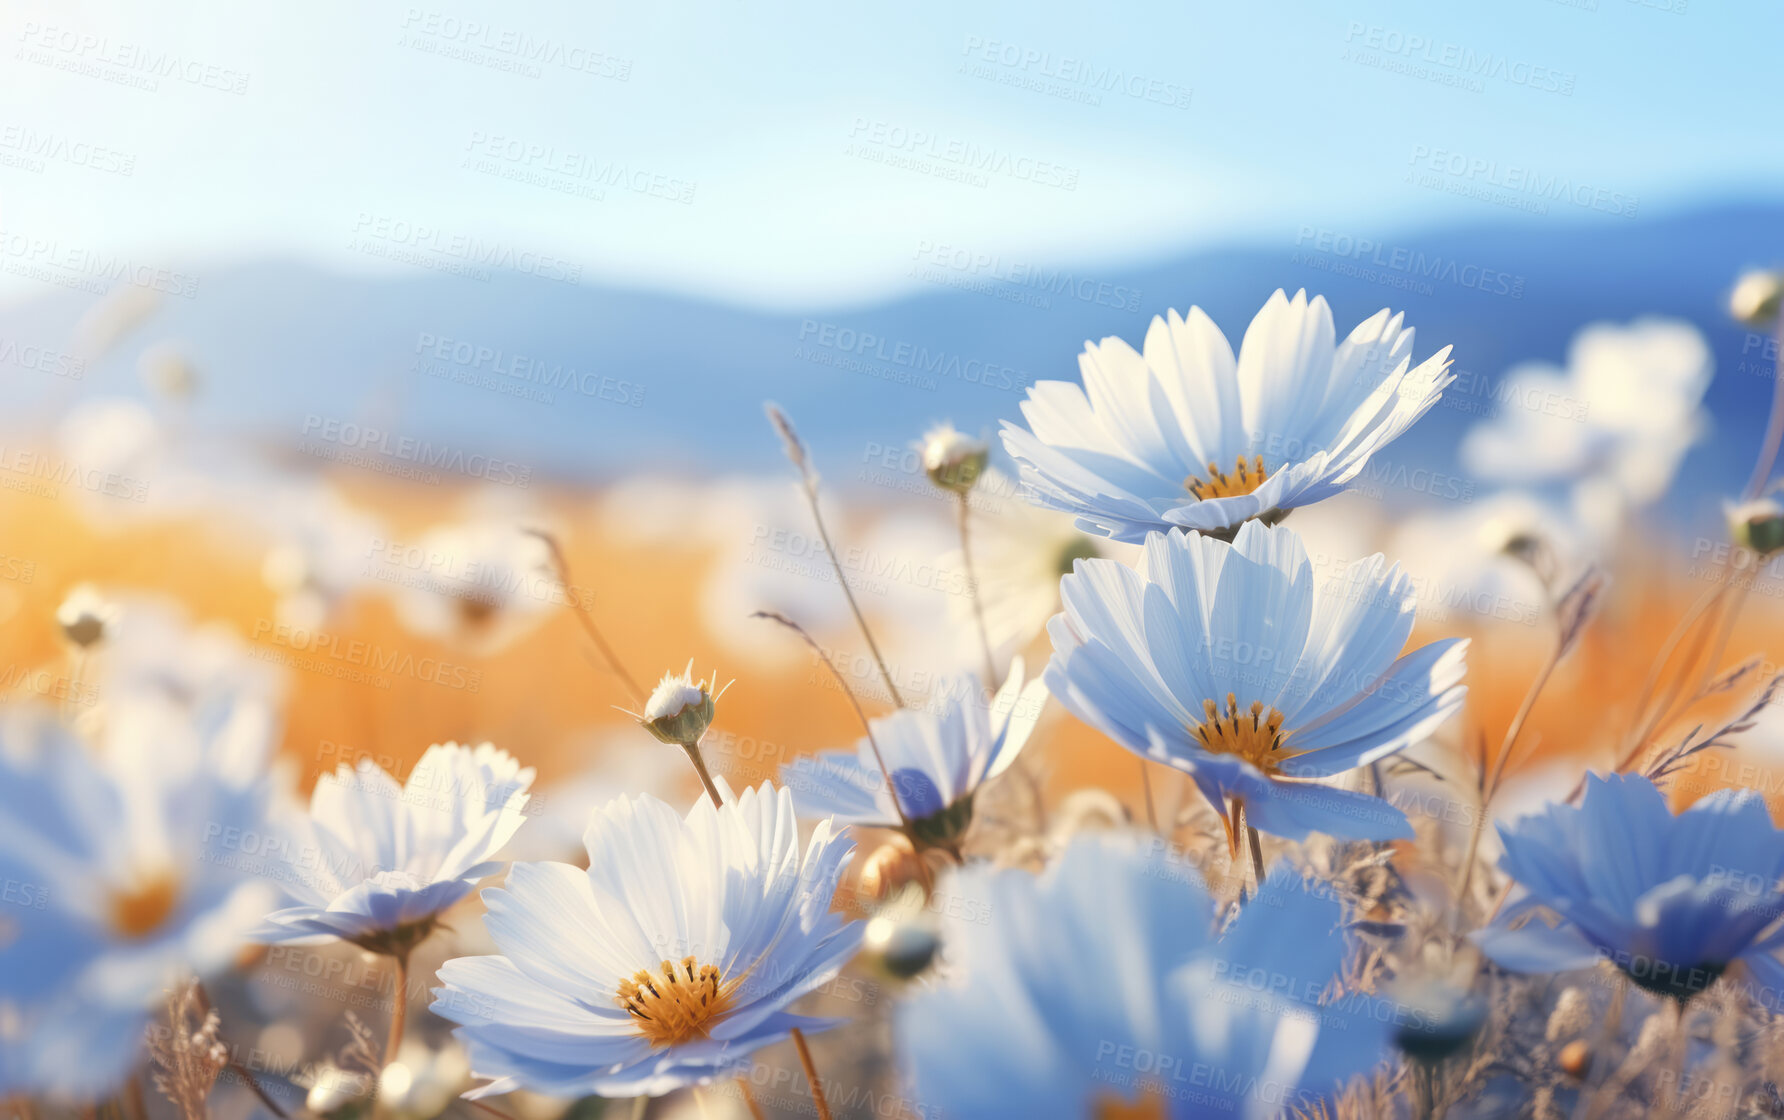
{"x":583,"y":382}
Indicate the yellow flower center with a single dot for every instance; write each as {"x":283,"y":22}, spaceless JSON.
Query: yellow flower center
{"x":140,"y":909}
{"x":1149,"y":1105}
{"x":1245,"y":478}
{"x":1254,"y":735}
{"x":677,"y":1004}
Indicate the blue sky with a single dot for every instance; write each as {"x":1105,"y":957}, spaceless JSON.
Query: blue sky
{"x":812,"y":154}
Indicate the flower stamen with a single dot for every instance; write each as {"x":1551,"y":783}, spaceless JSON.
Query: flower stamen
{"x":677,"y":1005}
{"x":1254,"y":735}
{"x":1245,"y":478}
{"x":142,"y":908}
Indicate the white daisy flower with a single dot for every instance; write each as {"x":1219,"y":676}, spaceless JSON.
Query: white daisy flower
{"x":1613,"y":426}
{"x":86,"y":616}
{"x":937,"y":761}
{"x":384,"y":860}
{"x":482,"y":584}
{"x":667,"y":963}
{"x":1021,"y":550}
{"x":122,"y":879}
{"x":1100,"y":989}
{"x":1229,"y":662}
{"x":1186,"y":436}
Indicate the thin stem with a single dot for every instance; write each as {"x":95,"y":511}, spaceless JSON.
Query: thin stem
{"x":257,"y":1089}
{"x":496,"y":1112}
{"x":204,"y":1007}
{"x":1257,"y":857}
{"x":399,"y":1006}
{"x":561,"y":567}
{"x":1146,"y":784}
{"x":1613,"y":1025}
{"x":749,"y":1099}
{"x":811,"y":1074}
{"x":808,"y":481}
{"x":1679,"y":630}
{"x":860,"y":713}
{"x":1676,"y":1058}
{"x":641,"y":1105}
{"x":1774,"y":433}
{"x":972,"y":592}
{"x":712,"y":790}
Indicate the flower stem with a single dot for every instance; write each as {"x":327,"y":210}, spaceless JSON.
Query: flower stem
{"x":808,"y":481}
{"x":1257,"y":858}
{"x":749,"y":1099}
{"x":842,"y":683}
{"x":712,"y":789}
{"x":399,"y":1006}
{"x":1146,"y":784}
{"x":1774,"y":433}
{"x":811,"y":1075}
{"x":972,"y":593}
{"x":562,"y":567}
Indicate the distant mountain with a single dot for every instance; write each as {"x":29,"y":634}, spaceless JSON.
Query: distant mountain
{"x":585,"y":382}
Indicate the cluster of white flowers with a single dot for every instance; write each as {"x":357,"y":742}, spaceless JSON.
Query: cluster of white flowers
{"x":150,"y":844}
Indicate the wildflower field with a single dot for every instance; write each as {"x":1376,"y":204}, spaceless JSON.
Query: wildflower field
{"x":515,"y":607}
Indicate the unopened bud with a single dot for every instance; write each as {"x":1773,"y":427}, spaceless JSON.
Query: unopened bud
{"x":1758,"y":525}
{"x":903,"y":946}
{"x":85,"y":616}
{"x":680,"y":708}
{"x":1575,"y":1058}
{"x":890,"y":868}
{"x":1756,"y":298}
{"x":953,"y":460}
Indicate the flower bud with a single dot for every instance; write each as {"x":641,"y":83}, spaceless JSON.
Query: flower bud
{"x":680,"y":708}
{"x":1758,"y":525}
{"x":901,"y":945}
{"x":1756,"y":298}
{"x":890,"y":868}
{"x":85,"y":616}
{"x":1436,"y":1020}
{"x":1575,"y":1058}
{"x":952,"y":459}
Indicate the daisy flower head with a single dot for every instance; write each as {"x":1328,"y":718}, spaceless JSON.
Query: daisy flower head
{"x":936,"y":760}
{"x":1099,"y":989}
{"x":667,"y":963}
{"x":1229,"y":662}
{"x":122,"y":867}
{"x":381,"y":861}
{"x":1185,"y":435}
{"x":1672,"y":900}
{"x":680,"y":708}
